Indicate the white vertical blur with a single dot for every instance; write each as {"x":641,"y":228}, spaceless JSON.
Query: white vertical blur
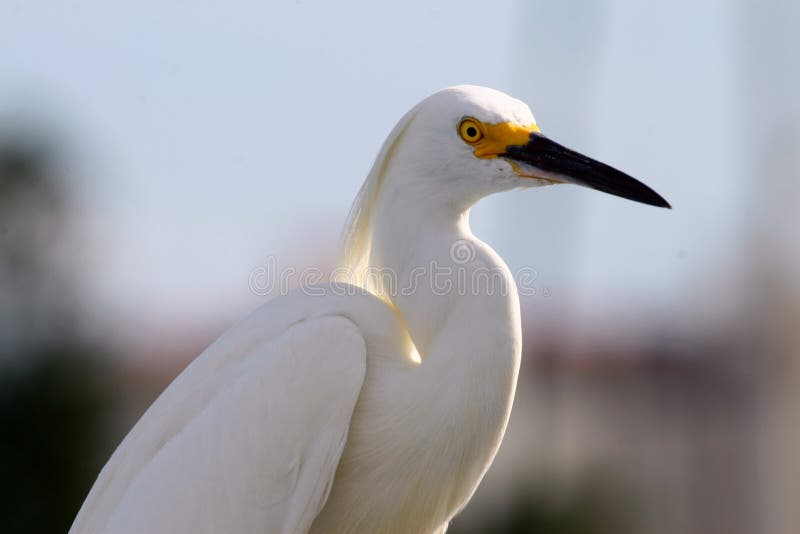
{"x":771,"y":80}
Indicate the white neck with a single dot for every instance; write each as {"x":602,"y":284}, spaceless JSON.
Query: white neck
{"x":423,"y":240}
{"x":468,"y":338}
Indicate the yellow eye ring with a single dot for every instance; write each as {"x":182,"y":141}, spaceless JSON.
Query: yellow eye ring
{"x":470,"y":131}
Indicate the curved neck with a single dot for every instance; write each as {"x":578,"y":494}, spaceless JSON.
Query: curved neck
{"x":441,"y":278}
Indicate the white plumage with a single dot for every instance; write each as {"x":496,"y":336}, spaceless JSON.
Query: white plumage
{"x":342,"y":410}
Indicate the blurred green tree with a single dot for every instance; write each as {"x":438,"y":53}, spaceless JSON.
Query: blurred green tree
{"x":535,"y":508}
{"x":52,"y":398}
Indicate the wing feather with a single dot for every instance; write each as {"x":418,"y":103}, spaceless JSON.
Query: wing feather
{"x":246,"y":439}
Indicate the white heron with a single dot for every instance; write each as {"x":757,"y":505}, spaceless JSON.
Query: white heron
{"x":344,"y":410}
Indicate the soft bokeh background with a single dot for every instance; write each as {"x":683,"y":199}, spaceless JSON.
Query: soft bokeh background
{"x":152,"y":155}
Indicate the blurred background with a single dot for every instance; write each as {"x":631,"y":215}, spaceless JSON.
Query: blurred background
{"x":153,"y":155}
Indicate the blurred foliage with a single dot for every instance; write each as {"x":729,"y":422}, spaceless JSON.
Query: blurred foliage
{"x":52,"y":400}
{"x":537,"y":509}
{"x":51,"y":415}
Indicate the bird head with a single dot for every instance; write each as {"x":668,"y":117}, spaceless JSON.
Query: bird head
{"x":463,"y":143}
{"x":482,"y":141}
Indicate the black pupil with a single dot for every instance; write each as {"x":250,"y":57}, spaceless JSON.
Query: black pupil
{"x":471,"y":131}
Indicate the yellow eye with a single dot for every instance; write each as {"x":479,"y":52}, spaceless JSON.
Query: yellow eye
{"x":470,"y":131}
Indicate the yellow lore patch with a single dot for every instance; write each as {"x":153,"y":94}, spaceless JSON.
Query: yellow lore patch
{"x":491,"y":140}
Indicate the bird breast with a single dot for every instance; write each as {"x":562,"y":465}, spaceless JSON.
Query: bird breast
{"x":422,"y":435}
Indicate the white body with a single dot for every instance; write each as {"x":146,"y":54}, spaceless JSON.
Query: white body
{"x":314,"y":413}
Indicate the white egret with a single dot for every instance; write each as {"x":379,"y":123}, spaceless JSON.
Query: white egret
{"x":342,"y":410}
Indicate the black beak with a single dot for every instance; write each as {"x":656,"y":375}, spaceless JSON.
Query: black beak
{"x":559,"y":163}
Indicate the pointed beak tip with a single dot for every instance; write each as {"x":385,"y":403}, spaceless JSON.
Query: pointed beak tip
{"x":661,"y":203}
{"x":657,"y":202}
